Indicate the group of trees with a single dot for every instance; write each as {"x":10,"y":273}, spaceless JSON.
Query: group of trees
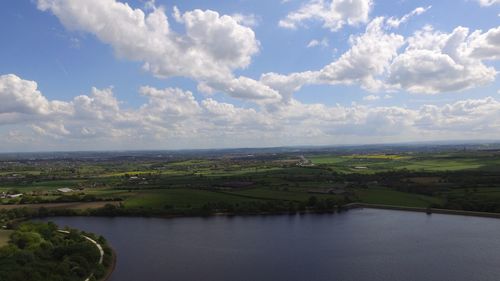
{"x":314,"y":204}
{"x":39,"y":252}
{"x":472,"y":202}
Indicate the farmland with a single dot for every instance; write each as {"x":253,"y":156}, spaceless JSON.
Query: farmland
{"x":255,"y":181}
{"x":4,"y":237}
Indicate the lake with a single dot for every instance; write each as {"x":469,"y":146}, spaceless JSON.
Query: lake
{"x":361,"y":244}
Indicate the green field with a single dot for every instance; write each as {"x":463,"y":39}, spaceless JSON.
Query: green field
{"x":390,"y":197}
{"x":179,"y":198}
{"x":429,"y":163}
{"x":43,"y":185}
{"x":187,"y":198}
{"x":270,"y":194}
{"x":457,"y":180}
{"x":4,"y":237}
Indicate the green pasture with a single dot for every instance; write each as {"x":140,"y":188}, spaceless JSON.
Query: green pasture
{"x":42,"y":185}
{"x":180,"y":198}
{"x":4,"y":237}
{"x":427,"y":163}
{"x":391,"y":197}
{"x":291,"y":194}
{"x":485,"y":193}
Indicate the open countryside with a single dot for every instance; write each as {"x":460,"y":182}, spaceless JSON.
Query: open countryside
{"x":163,"y":183}
{"x":304,"y":140}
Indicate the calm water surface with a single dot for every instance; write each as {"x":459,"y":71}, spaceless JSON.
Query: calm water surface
{"x":364,"y":244}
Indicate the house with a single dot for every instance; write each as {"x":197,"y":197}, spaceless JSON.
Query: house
{"x":65,"y":190}
{"x":304,"y":162}
{"x":360,"y":167}
{"x":14,"y":195}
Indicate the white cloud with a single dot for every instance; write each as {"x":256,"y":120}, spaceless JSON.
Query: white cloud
{"x":287,"y":85}
{"x":21,"y":96}
{"x":486,"y":3}
{"x":371,"y":98}
{"x":485,"y":45}
{"x":212,"y":47}
{"x":321,"y":43}
{"x":249,"y":20}
{"x":369,"y":57}
{"x":174,"y":118}
{"x":334,"y":14}
{"x":396,"y":22}
{"x":21,"y":101}
{"x":101,"y":105}
{"x":243,"y":87}
{"x":51,"y":129}
{"x":435,"y":62}
{"x":148,"y":37}
{"x":168,"y":104}
{"x":219,"y":40}
{"x":428,"y":62}
{"x":473,"y":116}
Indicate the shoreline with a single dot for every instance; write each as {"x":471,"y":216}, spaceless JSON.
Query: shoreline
{"x":338,"y":209}
{"x":422,"y":210}
{"x":111,"y":268}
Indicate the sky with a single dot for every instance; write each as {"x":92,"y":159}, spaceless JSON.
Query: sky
{"x":137,"y":74}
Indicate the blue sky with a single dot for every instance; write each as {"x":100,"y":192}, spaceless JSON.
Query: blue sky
{"x":426,"y":78}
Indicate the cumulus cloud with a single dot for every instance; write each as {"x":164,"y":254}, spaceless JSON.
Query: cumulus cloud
{"x":485,"y":45}
{"x":212,"y":47}
{"x":22,"y":101}
{"x":369,"y":57}
{"x":175,"y":118}
{"x":427,"y":62}
{"x":168,"y":104}
{"x":21,"y":96}
{"x":365,"y":63}
{"x":333,"y":14}
{"x":287,"y":85}
{"x":474,"y":116}
{"x":436,"y":62}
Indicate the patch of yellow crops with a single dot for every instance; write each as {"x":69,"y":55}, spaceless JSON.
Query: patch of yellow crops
{"x":376,"y":156}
